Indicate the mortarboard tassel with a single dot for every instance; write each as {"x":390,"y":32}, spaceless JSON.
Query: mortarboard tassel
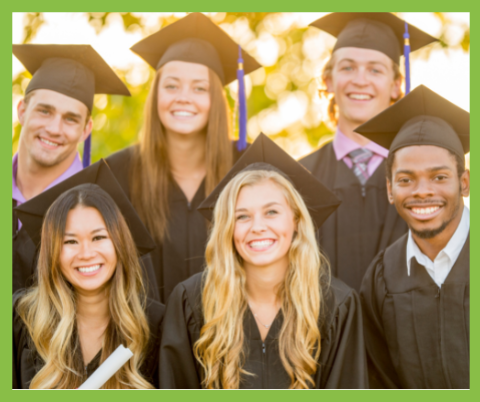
{"x":406,"y":53}
{"x":242,"y":105}
{"x":87,"y":146}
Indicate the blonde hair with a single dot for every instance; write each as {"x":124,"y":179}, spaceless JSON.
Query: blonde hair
{"x":49,"y":308}
{"x":332,"y":105}
{"x":150,"y":173}
{"x":220,"y":348}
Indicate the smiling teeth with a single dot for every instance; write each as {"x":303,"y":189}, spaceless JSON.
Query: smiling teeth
{"x":89,"y":269}
{"x":360,"y":97}
{"x":425,"y":211}
{"x":48,"y":142}
{"x":187,"y":114}
{"x":261,"y":243}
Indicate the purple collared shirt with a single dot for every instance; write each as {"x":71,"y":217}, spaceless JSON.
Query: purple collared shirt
{"x":17,"y":195}
{"x":342,"y":145}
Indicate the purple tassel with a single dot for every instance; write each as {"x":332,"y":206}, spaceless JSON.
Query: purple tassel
{"x":87,"y":146}
{"x":406,"y":53}
{"x":242,"y":105}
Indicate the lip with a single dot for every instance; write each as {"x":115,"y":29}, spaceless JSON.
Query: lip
{"x":359,"y":96}
{"x":93,"y":273}
{"x":263,"y":248}
{"x":188,"y":114}
{"x":437,"y":209}
{"x":48,"y":146}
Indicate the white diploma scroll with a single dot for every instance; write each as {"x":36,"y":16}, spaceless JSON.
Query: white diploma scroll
{"x":109,"y":367}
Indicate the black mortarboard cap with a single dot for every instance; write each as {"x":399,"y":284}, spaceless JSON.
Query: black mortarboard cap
{"x":195,"y":39}
{"x":264,"y":154}
{"x":420,"y":118}
{"x":33,"y":211}
{"x":77,"y":71}
{"x":378,"y":31}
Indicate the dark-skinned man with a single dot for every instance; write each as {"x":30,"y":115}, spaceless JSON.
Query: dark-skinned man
{"x":416,"y":294}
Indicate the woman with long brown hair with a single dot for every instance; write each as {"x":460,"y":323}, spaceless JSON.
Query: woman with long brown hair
{"x":265,"y":313}
{"x":89,"y":296}
{"x":185,"y":146}
{"x":362,"y":78}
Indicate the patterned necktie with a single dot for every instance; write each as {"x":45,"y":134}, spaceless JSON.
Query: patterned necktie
{"x":360,"y":158}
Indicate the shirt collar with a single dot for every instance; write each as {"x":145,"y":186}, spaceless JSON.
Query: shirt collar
{"x":452,"y":249}
{"x":342,"y":145}
{"x":17,"y":195}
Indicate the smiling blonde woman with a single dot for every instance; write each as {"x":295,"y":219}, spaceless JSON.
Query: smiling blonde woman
{"x":265,"y":314}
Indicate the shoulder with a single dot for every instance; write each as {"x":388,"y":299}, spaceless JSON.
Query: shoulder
{"x":311,"y":160}
{"x":187,"y":297}
{"x":121,"y":157}
{"x":154,"y":312}
{"x":338,"y":294}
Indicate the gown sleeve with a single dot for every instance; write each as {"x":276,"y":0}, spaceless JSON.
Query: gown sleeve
{"x":343,"y":363}
{"x":180,"y":330}
{"x":381,"y":372}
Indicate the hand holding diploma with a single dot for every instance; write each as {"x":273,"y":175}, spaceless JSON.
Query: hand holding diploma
{"x":109,"y":367}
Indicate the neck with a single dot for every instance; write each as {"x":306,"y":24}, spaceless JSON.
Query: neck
{"x":347,"y":126}
{"x":33,"y":178}
{"x":187,"y":153}
{"x":431,"y":247}
{"x":263,"y":282}
{"x":93,"y":308}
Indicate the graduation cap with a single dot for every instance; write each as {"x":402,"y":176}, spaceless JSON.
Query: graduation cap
{"x":32,"y":212}
{"x":383,"y":32}
{"x":264,"y":154}
{"x":421,"y":118}
{"x":196,"y":39}
{"x":77,"y":71}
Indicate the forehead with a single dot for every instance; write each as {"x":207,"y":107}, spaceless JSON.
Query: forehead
{"x":185,"y":70}
{"x":359,"y":55}
{"x":83,"y":218}
{"x":259,"y":194}
{"x":422,"y":157}
{"x":60,"y":102}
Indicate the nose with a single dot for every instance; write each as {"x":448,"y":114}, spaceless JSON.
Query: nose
{"x":360,"y":77}
{"x":87,"y":251}
{"x":258,"y":225}
{"x":54,"y":125}
{"x":423,"y":189}
{"x":183,"y":96}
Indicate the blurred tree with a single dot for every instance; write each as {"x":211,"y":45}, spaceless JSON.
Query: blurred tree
{"x":283,"y":96}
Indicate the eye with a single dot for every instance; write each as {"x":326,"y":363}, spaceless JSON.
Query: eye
{"x":43,"y":111}
{"x":346,"y":68}
{"x":70,"y":241}
{"x":441,"y":177}
{"x":71,"y":120}
{"x":99,"y":237}
{"x":241,"y":217}
{"x":272,"y":212}
{"x":200,"y":89}
{"x":170,"y":86}
{"x":403,"y":180}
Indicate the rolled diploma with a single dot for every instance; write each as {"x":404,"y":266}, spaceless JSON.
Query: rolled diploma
{"x":109,"y":367}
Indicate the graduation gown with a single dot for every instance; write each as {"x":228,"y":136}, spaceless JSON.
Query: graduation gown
{"x":342,"y":362}
{"x":416,"y":334}
{"x":183,"y":253}
{"x":26,"y":362}
{"x":24,"y":255}
{"x":362,"y":225}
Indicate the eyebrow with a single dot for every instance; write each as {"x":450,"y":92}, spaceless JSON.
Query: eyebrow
{"x":52,"y":108}
{"x":178,"y":79}
{"x":369,"y":62}
{"x":433,"y":169}
{"x":92,"y":232}
{"x":265,"y":206}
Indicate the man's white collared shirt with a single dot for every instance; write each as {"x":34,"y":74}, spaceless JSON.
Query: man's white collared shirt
{"x":445,"y":260}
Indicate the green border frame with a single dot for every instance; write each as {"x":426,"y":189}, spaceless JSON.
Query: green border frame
{"x":200,"y":396}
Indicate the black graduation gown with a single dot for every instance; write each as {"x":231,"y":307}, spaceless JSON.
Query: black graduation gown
{"x":416,"y":334}
{"x":24,"y":255}
{"x":362,"y":225}
{"x":342,"y":362}
{"x":26,"y":362}
{"x":183,"y":253}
